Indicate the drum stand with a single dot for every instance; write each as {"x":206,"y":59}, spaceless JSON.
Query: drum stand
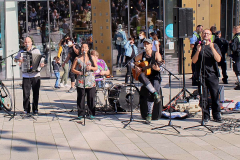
{"x":170,"y":107}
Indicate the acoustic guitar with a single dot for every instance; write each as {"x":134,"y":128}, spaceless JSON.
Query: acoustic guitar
{"x":146,"y":68}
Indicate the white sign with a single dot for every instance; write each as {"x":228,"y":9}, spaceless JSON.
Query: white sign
{"x":171,"y":45}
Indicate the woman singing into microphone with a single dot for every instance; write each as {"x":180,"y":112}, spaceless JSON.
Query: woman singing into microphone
{"x":84,"y":67}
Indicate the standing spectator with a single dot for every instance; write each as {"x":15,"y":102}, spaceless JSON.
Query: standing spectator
{"x":193,"y":44}
{"x":120,"y":40}
{"x":73,"y":52}
{"x":154,"y":38}
{"x":213,"y":29}
{"x":65,"y":27}
{"x":130,"y":52}
{"x":63,"y":52}
{"x":33,"y":16}
{"x":56,"y":68}
{"x":223,"y":46}
{"x":142,"y":37}
{"x":40,"y":15}
{"x":235,"y":47}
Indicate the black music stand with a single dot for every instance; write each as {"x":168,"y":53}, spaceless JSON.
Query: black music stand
{"x":170,"y":107}
{"x":201,"y":93}
{"x":131,"y":96}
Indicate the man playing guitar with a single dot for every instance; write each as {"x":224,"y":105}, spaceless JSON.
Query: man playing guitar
{"x":151,"y":82}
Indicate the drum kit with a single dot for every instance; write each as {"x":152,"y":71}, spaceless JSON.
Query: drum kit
{"x":116,"y":96}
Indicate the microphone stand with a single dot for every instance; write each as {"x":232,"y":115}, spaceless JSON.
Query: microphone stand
{"x":201,"y":92}
{"x":131,"y":95}
{"x":14,"y":100}
{"x":170,"y":107}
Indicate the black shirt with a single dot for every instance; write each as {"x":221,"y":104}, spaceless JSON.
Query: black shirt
{"x":210,"y":64}
{"x":151,"y":60}
{"x":72,"y":53}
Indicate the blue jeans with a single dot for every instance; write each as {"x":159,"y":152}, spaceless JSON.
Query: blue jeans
{"x":57,"y":74}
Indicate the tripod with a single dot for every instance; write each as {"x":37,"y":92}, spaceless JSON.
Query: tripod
{"x":184,"y":89}
{"x":201,"y":92}
{"x":170,"y":107}
{"x":131,"y":96}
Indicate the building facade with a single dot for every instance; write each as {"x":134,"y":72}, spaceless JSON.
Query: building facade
{"x":97,"y":21}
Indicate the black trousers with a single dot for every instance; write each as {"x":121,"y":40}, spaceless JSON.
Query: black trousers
{"x":156,"y":83}
{"x":129,"y":71}
{"x":91,"y":94}
{"x":27,"y":84}
{"x":223,"y":65}
{"x":210,"y":84}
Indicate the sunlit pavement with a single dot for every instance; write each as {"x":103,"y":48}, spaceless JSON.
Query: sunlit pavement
{"x":53,"y":136}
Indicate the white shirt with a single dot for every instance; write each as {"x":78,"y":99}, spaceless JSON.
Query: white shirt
{"x":154,"y":48}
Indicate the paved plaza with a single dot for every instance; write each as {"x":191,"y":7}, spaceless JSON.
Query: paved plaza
{"x":53,"y":136}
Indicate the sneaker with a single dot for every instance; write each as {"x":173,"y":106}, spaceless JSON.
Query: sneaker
{"x":71,"y":90}
{"x":91,"y":117}
{"x":148,"y":118}
{"x":56,"y":87}
{"x":237,"y":87}
{"x":66,"y":85}
{"x":80,"y":117}
{"x":61,"y":85}
{"x":156,"y":97}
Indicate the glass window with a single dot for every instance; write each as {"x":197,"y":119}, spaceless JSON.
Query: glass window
{"x":2,"y":40}
{"x":171,"y":56}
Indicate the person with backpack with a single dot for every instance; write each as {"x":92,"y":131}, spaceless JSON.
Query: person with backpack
{"x":84,"y":67}
{"x":235,"y":48}
{"x":223,"y":46}
{"x":63,"y":52}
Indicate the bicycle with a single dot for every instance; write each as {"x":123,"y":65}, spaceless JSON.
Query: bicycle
{"x":5,"y":98}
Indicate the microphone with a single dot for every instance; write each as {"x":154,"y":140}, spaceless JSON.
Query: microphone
{"x":202,"y":42}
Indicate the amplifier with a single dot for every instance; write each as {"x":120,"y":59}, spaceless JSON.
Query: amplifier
{"x":192,"y":106}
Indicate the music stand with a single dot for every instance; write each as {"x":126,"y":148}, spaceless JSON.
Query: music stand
{"x":201,"y":93}
{"x":131,"y":96}
{"x":170,"y":107}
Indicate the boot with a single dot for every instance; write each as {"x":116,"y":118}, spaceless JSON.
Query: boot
{"x":148,"y":118}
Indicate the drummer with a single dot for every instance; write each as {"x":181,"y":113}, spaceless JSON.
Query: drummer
{"x":102,"y":66}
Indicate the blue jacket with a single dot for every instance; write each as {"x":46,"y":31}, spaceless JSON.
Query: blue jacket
{"x":128,"y":49}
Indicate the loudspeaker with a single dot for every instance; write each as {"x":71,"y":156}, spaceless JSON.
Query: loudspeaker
{"x":189,"y":22}
{"x":182,"y":22}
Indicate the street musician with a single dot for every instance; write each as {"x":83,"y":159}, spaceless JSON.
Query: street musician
{"x":153,"y":80}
